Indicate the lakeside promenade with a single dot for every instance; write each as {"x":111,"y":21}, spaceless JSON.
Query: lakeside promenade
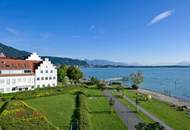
{"x":168,"y":99}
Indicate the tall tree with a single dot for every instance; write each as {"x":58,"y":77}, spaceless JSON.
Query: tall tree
{"x":137,"y":78}
{"x":62,"y":74}
{"x":74,"y":73}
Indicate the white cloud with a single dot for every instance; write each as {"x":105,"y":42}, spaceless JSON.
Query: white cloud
{"x":12,"y":30}
{"x":92,"y":27}
{"x":161,"y":16}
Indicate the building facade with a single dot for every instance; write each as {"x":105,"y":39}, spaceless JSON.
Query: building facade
{"x":20,"y":75}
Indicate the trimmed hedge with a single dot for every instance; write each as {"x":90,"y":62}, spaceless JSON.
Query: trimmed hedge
{"x":84,"y":121}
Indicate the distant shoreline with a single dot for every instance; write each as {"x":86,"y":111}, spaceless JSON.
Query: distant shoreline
{"x":111,"y":66}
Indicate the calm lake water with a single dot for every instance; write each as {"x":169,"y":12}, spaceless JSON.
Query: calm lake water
{"x":170,"y":81}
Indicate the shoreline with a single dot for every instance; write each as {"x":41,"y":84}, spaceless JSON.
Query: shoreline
{"x":165,"y":98}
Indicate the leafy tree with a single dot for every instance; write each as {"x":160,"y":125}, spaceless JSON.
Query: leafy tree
{"x":111,"y":103}
{"x":62,"y":73}
{"x":74,"y":73}
{"x":94,"y":80}
{"x":151,"y":126}
{"x":136,"y":78}
{"x":101,"y":85}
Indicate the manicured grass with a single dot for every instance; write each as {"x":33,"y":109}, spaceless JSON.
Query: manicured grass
{"x":179,"y":120}
{"x":101,"y":116}
{"x":92,"y":92}
{"x":98,"y":104}
{"x":107,"y":121}
{"x":1,"y":104}
{"x":58,"y":109}
{"x":141,"y":115}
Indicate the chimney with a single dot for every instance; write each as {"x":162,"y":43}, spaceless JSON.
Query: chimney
{"x":2,"y":55}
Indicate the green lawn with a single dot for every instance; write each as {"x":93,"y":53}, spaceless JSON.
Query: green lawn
{"x":98,"y":104}
{"x":1,"y":104}
{"x":106,"y":121}
{"x":58,"y":109}
{"x":92,"y":92}
{"x":141,"y":115}
{"x":101,"y":116}
{"x":179,"y":120}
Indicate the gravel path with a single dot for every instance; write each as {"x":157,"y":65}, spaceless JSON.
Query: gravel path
{"x":129,"y":117}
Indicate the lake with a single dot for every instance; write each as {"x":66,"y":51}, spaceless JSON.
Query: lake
{"x":169,"y":81}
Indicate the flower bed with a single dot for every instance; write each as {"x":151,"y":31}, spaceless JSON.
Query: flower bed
{"x":17,"y":115}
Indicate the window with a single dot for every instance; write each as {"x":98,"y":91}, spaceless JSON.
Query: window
{"x":38,"y":78}
{"x":48,"y":85}
{"x":27,"y":71}
{"x":53,"y":77}
{"x":2,"y":81}
{"x":24,"y":79}
{"x":41,"y":71}
{"x":51,"y":71}
{"x":0,"y":71}
{"x":19,"y":80}
{"x":46,"y":78}
{"x":50,"y":78}
{"x":38,"y":86}
{"x":8,"y":81}
{"x":42,"y":78}
{"x":29,"y":80}
{"x":43,"y":85}
{"x":46,"y":71}
{"x":13,"y":81}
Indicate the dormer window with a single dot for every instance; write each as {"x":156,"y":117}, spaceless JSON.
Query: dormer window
{"x":27,"y":71}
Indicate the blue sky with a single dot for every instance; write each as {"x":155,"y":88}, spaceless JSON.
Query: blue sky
{"x":144,"y":31}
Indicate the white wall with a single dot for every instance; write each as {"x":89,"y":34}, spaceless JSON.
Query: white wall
{"x":46,"y":75}
{"x":8,"y":83}
{"x":34,"y":57}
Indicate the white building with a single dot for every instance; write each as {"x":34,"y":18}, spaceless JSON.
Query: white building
{"x":19,"y":75}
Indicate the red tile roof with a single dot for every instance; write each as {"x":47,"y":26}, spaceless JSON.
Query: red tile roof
{"x":15,"y":64}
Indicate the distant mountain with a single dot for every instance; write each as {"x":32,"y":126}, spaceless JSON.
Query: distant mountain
{"x":184,"y":63}
{"x":98,"y":62}
{"x":15,"y":53}
{"x":12,"y":52}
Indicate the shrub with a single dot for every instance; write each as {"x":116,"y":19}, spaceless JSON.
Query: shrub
{"x":101,"y":85}
{"x":151,"y":126}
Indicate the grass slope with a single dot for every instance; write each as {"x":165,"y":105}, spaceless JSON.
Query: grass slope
{"x":179,"y":120}
{"x":58,"y":109}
